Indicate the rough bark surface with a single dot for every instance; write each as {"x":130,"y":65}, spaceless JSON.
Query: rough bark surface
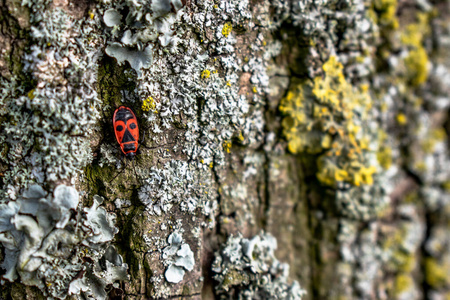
{"x":324,"y":125}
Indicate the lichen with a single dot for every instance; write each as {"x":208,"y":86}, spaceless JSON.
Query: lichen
{"x":385,"y":13}
{"x":178,"y":258}
{"x":435,"y":275}
{"x":402,"y":284}
{"x":51,"y":143}
{"x":331,"y":115}
{"x":177,"y":183}
{"x":49,"y":239}
{"x":248,"y":269}
{"x":136,"y":29}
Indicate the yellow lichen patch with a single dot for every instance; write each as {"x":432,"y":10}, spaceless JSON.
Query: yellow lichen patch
{"x":149,"y":104}
{"x":403,"y":282}
{"x":416,"y":62}
{"x":420,"y":166}
{"x":326,"y":141}
{"x":227,"y":146}
{"x":411,"y":197}
{"x":241,"y":136}
{"x":446,"y":185}
{"x":417,"y":66}
{"x":435,"y":273}
{"x":414,"y":33}
{"x":384,"y":156}
{"x":329,"y":114}
{"x":384,"y":153}
{"x":226,"y":29}
{"x":205,"y":74}
{"x":401,"y":119}
{"x":350,"y":171}
{"x":31,"y":94}
{"x":437,"y":135}
{"x":385,"y":13}
{"x":329,"y":173}
{"x":364,"y":176}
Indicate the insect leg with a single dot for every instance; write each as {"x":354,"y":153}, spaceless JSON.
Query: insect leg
{"x":120,"y":172}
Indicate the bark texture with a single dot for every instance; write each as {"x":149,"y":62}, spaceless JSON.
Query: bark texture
{"x":289,"y":149}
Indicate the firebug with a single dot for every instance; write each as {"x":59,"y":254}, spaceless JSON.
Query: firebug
{"x":126,"y":129}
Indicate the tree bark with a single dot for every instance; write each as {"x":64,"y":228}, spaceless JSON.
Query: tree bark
{"x":237,"y":139}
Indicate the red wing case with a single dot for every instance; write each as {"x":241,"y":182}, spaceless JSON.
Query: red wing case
{"x":127,"y":130}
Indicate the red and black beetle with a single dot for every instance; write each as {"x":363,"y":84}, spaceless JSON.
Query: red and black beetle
{"x":127,"y":130}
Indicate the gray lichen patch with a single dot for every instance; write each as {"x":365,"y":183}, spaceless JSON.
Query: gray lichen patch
{"x":137,"y":59}
{"x":207,"y":100}
{"x":172,"y":255}
{"x":136,"y":29}
{"x":178,"y":183}
{"x":50,"y":143}
{"x":53,"y":243}
{"x":178,"y":257}
{"x":248,"y":269}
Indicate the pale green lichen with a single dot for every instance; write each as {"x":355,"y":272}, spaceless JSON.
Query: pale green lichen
{"x":178,"y":183}
{"x":136,"y":29}
{"x":248,"y":269}
{"x":178,"y":258}
{"x":51,"y":143}
{"x":49,"y":238}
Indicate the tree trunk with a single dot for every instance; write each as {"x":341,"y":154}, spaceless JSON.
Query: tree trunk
{"x":287,"y":149}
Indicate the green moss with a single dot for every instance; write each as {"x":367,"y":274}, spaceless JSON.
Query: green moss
{"x":130,"y":234}
{"x":96,"y":177}
{"x":14,"y":20}
{"x":113,"y":80}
